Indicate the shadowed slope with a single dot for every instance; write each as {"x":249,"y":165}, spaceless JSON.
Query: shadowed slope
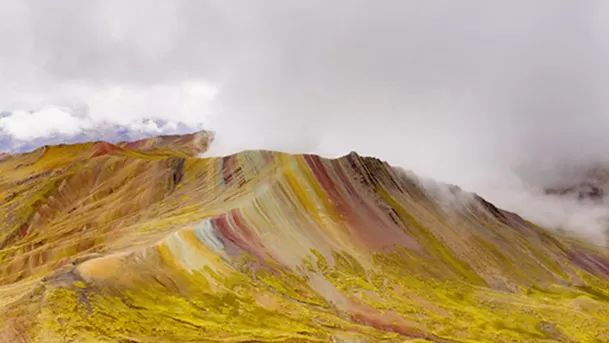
{"x":140,"y":242}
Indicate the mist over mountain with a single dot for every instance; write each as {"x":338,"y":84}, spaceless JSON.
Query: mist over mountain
{"x":491,"y":97}
{"x":24,"y":131}
{"x":304,"y":171}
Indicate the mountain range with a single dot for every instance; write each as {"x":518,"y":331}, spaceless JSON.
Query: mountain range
{"x":95,"y":131}
{"x":143,"y":241}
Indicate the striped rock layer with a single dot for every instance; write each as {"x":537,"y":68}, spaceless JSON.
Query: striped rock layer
{"x":143,"y":242}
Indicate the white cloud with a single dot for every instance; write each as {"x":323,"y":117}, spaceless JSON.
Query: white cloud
{"x":189,"y":103}
{"x":45,"y":122}
{"x":76,"y":109}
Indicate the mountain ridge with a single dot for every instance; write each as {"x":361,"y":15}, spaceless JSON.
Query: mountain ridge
{"x":269,"y":246}
{"x":90,"y":131}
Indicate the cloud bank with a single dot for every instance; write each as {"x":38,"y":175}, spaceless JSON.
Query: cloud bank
{"x":77,"y":109}
{"x":497,"y":98}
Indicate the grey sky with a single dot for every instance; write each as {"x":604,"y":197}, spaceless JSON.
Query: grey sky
{"x":477,"y":93}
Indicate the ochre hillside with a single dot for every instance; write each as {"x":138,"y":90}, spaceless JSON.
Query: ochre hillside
{"x":145,"y":242}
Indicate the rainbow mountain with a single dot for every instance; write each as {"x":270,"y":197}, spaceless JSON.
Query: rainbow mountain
{"x":146,"y":242}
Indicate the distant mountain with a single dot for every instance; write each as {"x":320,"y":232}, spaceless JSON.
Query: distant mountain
{"x":586,"y":183}
{"x":145,"y":128}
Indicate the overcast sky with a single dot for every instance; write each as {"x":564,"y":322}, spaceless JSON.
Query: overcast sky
{"x":483,"y":94}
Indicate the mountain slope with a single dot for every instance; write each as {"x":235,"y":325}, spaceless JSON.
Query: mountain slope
{"x":142,"y":242}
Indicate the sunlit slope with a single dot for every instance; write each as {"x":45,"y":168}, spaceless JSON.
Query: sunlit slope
{"x":142,"y":243}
